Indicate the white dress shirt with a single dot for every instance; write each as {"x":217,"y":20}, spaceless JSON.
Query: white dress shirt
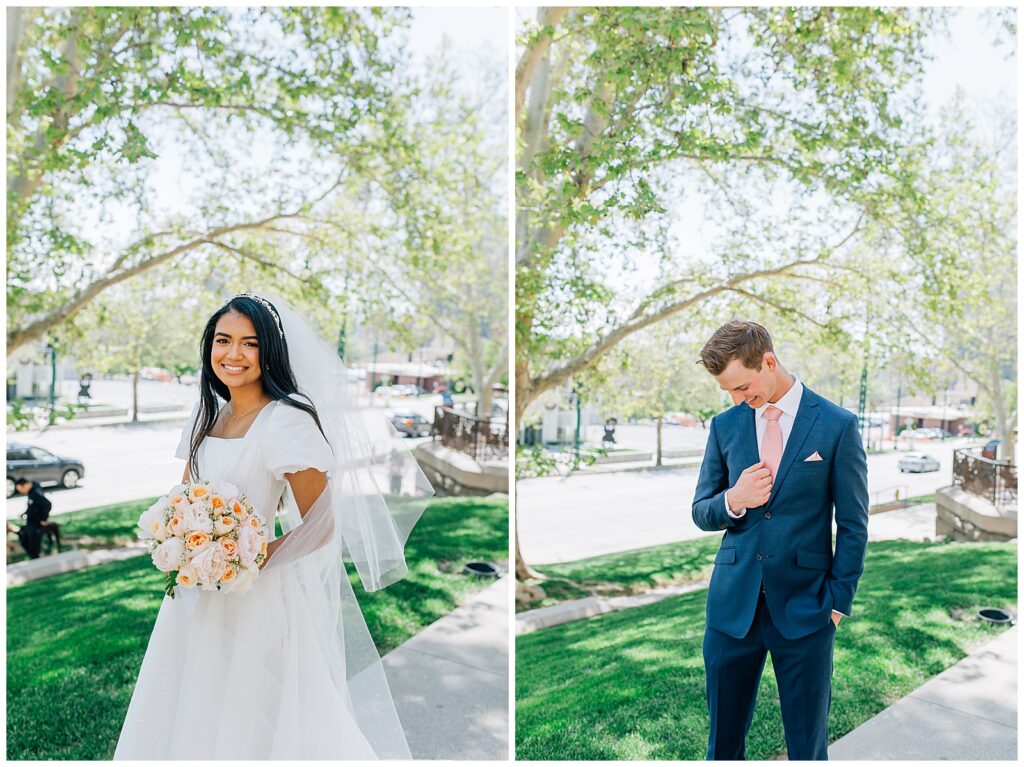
{"x":789,"y":404}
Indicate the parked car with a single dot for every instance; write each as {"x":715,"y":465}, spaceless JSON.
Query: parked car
{"x":41,"y":466}
{"x":918,"y":462}
{"x":412,"y":424}
{"x":918,"y":434}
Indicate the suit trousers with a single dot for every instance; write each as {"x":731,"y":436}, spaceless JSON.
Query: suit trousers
{"x":803,"y":671}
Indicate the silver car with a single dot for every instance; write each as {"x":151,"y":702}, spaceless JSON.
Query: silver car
{"x":918,"y":462}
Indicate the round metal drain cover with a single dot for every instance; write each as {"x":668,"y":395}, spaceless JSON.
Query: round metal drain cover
{"x":482,"y":569}
{"x":995,"y":615}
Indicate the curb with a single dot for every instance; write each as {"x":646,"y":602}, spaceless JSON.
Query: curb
{"x":67,"y":562}
{"x":580,"y":609}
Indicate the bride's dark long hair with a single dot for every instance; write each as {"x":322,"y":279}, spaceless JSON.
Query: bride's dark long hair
{"x":275,"y":370}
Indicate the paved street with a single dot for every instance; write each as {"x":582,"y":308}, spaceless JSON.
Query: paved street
{"x":125,"y":462}
{"x":584,"y":515}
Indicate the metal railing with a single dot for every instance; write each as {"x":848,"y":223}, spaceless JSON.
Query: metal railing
{"x":985,"y":477}
{"x":479,"y":438}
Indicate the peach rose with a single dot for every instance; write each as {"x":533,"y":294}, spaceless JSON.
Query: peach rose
{"x":186,"y":577}
{"x":180,"y":503}
{"x":229,"y":574}
{"x":176,"y":525}
{"x":198,"y":492}
{"x":229,"y":546}
{"x":197,"y":541}
{"x":224,"y":525}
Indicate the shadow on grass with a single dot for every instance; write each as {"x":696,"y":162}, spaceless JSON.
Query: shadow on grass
{"x":630,"y":685}
{"x":75,"y":642}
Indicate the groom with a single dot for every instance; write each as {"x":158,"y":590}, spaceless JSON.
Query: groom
{"x":775,"y":468}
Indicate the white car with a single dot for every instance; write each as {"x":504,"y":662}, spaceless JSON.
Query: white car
{"x":918,"y":462}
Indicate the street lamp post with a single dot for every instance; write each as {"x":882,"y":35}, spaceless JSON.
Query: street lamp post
{"x":577,"y":391}
{"x":52,"y":349}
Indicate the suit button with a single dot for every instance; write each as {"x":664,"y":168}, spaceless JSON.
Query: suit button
{"x":767,"y":515}
{"x":758,"y":557}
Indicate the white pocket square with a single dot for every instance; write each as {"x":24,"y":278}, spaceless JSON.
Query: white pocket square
{"x":813,"y":457}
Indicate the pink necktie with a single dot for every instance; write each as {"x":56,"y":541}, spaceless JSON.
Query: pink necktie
{"x":771,"y":444}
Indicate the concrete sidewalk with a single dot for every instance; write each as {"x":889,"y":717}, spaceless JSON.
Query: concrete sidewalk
{"x":968,"y":712}
{"x":450,"y":681}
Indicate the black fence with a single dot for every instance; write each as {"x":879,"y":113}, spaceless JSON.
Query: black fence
{"x":994,"y":480}
{"x":479,"y":438}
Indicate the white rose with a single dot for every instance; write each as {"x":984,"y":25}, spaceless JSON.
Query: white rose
{"x":208,"y":566}
{"x":249,"y":543}
{"x":167,"y":556}
{"x":197,"y":520}
{"x":245,"y":578}
{"x":153,"y":513}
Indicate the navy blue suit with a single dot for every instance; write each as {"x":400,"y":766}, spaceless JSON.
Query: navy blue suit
{"x":776,"y":578}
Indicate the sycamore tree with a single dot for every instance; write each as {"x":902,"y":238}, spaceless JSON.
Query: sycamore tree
{"x":787,"y":132}
{"x":257,"y":115}
{"x":430,"y":243}
{"x":145,"y":322}
{"x":655,"y":372}
{"x":970,"y":330}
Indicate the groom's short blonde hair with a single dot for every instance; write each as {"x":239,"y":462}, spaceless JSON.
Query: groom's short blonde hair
{"x":736,"y":340}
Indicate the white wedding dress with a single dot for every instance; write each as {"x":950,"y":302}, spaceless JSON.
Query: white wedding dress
{"x":249,"y":676}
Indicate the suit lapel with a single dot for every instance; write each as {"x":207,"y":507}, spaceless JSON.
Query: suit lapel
{"x":805,"y":418}
{"x":748,"y":436}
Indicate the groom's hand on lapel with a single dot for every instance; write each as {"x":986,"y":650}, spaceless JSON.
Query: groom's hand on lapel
{"x":752,"y":488}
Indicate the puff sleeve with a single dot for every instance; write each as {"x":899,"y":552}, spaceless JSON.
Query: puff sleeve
{"x":185,"y":443}
{"x":294,"y":443}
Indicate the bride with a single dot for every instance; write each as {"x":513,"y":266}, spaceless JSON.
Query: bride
{"x":287,"y":669}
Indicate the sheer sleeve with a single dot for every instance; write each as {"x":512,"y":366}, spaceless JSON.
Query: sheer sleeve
{"x":185,"y":443}
{"x":294,"y":443}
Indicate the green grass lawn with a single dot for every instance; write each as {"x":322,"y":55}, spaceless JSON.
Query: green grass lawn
{"x":630,"y":685}
{"x":75,"y":642}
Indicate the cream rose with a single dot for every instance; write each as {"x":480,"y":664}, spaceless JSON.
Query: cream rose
{"x":167,"y":556}
{"x":158,"y":530}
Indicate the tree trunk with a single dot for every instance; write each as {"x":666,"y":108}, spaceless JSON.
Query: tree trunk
{"x":523,"y":571}
{"x":135,"y":397}
{"x":661,"y":420}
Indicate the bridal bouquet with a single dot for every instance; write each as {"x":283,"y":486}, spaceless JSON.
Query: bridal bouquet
{"x":207,"y":535}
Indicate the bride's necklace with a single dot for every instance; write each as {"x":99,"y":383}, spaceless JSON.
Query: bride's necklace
{"x":232,"y":417}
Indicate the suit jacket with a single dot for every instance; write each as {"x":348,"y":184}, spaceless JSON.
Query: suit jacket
{"x":786,"y":544}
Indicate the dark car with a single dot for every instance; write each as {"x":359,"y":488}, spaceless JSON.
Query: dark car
{"x":412,"y":424}
{"x":41,"y":466}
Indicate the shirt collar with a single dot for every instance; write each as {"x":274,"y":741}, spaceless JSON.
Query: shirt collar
{"x":789,"y":402}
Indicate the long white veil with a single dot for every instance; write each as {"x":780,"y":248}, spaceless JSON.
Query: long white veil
{"x":351,"y":519}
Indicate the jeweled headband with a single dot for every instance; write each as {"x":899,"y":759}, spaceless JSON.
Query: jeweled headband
{"x":266,"y":305}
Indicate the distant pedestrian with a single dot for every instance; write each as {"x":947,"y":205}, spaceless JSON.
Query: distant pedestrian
{"x":37,"y":516}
